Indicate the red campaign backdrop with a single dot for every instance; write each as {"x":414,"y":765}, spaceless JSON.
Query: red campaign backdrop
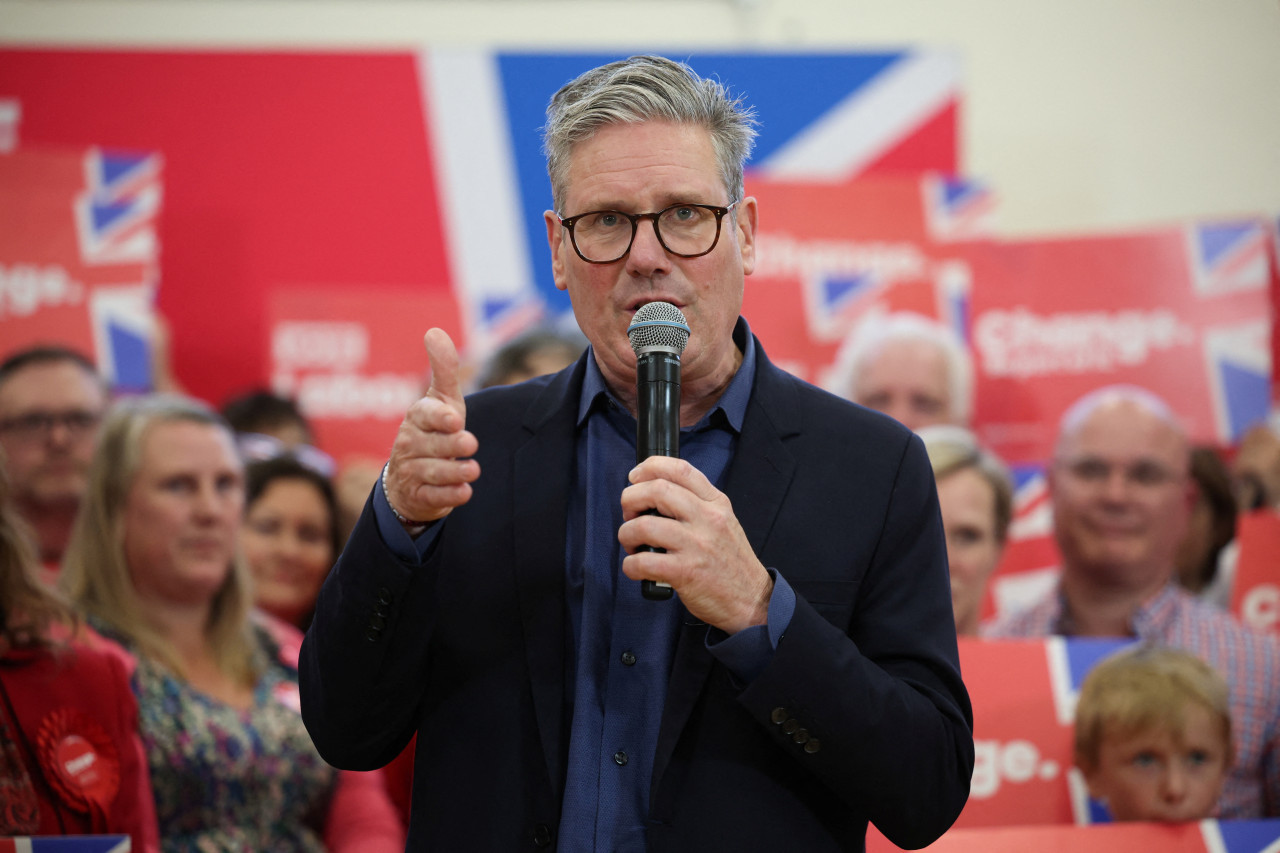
{"x":1255,"y":592}
{"x":272,"y":179}
{"x":354,"y":361}
{"x":830,"y":257}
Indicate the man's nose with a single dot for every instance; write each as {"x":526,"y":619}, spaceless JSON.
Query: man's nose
{"x":647,"y":255}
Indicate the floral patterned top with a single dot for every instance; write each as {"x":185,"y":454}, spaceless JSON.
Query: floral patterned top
{"x":227,"y":779}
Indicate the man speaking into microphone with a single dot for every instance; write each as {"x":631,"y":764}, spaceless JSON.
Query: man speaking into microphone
{"x":801,"y":681}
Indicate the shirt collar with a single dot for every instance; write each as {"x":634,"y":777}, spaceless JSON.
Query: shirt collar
{"x":1149,"y":620}
{"x":732,"y":403}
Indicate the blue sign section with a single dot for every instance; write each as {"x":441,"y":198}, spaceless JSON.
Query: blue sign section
{"x":1217,"y":240}
{"x":1084,"y":652}
{"x":789,"y":92}
{"x":131,"y":358}
{"x":116,"y":166}
{"x":1249,"y":836}
{"x":1247,"y":396}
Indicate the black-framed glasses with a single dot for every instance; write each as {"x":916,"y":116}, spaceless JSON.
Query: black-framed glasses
{"x":37,"y":425}
{"x":684,"y":229}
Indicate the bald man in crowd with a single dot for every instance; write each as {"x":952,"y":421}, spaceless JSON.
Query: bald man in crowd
{"x":51,"y":401}
{"x":1121,"y":499}
{"x":912,"y":368}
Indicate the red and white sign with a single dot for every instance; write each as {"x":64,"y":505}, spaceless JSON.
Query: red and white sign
{"x":79,"y":255}
{"x":1183,"y":312}
{"x":354,"y":361}
{"x":831,"y":257}
{"x":1255,"y":591}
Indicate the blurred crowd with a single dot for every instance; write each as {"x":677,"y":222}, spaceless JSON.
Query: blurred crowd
{"x":160,"y":560}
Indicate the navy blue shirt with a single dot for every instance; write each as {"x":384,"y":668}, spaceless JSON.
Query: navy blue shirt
{"x":621,"y":645}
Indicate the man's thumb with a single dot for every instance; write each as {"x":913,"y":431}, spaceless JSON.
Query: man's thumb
{"x":443,"y":356}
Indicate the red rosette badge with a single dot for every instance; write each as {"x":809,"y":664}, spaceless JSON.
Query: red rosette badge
{"x":80,"y":761}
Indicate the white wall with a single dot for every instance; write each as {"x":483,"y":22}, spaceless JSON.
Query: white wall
{"x":1083,"y":114}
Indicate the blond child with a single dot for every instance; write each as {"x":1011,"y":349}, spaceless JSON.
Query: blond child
{"x":1153,"y":735}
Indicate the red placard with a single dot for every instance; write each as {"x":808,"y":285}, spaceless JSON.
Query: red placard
{"x":1182,"y":311}
{"x":1255,"y":592}
{"x":355,"y":361}
{"x":79,"y":255}
{"x":830,"y":257}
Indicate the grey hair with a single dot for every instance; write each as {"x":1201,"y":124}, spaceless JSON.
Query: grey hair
{"x":869,"y":338}
{"x":953,"y":449}
{"x":647,"y":88}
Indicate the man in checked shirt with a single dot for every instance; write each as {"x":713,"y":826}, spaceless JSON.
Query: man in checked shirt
{"x":1121,"y":498}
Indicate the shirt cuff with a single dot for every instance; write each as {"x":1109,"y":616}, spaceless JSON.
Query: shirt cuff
{"x":749,"y":651}
{"x":408,"y":548}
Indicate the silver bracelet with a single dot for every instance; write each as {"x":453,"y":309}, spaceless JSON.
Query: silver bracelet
{"x":413,"y":527}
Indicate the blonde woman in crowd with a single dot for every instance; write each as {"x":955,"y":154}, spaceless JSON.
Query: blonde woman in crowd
{"x":975,"y":494}
{"x":153,"y":562}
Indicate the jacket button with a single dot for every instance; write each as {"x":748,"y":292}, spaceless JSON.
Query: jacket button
{"x":377,"y":623}
{"x":542,"y":835}
{"x":812,"y":745}
{"x":791,"y":727}
{"x":384,"y":595}
{"x":373,"y":636}
{"x":800,"y":736}
{"x":779,"y":716}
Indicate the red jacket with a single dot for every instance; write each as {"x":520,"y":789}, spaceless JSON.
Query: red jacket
{"x":76,"y":736}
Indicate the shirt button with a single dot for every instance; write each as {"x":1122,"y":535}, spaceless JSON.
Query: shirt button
{"x":779,"y":716}
{"x":628,"y":659}
{"x":620,"y":758}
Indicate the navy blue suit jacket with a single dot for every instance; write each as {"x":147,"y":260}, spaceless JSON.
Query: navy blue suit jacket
{"x":861,"y":713}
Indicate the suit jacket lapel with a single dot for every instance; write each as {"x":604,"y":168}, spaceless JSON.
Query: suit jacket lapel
{"x":543,"y":470}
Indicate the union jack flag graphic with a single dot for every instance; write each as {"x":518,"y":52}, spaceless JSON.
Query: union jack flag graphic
{"x":835,"y":299}
{"x":1238,"y":363}
{"x":826,"y":117}
{"x":116,"y":215}
{"x":1228,"y":256}
{"x":121,"y":318}
{"x":1029,"y":568}
{"x":957,"y":208}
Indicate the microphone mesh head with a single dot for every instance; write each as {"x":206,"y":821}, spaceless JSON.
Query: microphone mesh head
{"x":658,"y":324}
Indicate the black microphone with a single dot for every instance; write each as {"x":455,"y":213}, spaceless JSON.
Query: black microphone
{"x":658,"y":334}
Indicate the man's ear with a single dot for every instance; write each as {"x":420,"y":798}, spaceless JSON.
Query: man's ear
{"x":748,"y":212}
{"x":555,"y":239}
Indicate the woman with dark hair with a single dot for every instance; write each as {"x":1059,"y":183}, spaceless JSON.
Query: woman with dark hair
{"x":290,"y":536}
{"x":71,"y":762}
{"x":154,"y":563}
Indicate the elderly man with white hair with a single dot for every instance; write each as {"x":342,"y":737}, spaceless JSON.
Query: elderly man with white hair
{"x":1121,"y":498}
{"x":914,"y":369}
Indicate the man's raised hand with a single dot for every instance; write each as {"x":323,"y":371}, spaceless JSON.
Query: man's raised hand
{"x":431,"y":471}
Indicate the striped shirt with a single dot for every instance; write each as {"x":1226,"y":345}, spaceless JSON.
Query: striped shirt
{"x":1249,"y":660}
